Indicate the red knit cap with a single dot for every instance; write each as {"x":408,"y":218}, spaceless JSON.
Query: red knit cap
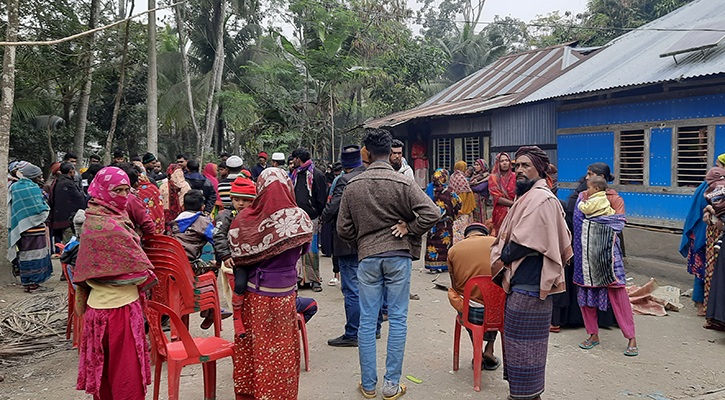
{"x":263,"y":154}
{"x":54,"y":168}
{"x":243,"y":187}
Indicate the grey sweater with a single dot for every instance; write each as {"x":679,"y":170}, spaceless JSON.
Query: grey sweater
{"x":374,"y":201}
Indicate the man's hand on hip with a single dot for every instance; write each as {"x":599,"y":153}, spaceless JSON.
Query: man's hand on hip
{"x":400,"y":229}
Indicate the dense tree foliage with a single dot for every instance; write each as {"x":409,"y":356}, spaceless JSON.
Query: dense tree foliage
{"x":336,"y":64}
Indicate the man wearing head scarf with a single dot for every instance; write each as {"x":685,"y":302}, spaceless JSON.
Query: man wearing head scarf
{"x":28,"y":234}
{"x":528,"y":259}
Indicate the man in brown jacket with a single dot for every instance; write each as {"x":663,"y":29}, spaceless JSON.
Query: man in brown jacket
{"x":468,"y":258}
{"x":384,"y":214}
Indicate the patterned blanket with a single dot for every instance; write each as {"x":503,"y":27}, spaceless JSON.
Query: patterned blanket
{"x":598,"y":254}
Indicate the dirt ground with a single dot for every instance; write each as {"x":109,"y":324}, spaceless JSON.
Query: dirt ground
{"x":678,"y":359}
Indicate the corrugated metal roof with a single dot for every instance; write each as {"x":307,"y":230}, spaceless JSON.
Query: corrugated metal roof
{"x":634,"y":59}
{"x":500,"y":84}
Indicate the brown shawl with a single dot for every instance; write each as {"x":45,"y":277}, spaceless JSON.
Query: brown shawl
{"x":536,"y":220}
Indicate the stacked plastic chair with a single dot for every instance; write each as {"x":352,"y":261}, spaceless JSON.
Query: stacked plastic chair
{"x":178,"y":287}
{"x":494,"y":300}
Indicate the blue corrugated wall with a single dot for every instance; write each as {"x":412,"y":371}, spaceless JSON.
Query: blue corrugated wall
{"x":660,"y":157}
{"x":576,"y":151}
{"x":665,"y":110}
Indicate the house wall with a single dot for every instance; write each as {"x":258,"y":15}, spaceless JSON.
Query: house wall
{"x":589,"y":135}
{"x":524,"y":125}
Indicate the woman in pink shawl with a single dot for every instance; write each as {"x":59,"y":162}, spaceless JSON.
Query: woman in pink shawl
{"x":111,"y":272}
{"x":210,"y":172}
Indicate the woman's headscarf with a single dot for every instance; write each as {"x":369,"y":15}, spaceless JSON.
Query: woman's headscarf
{"x":459,"y":183}
{"x":496,"y":174}
{"x":109,"y":245}
{"x":273,"y":223}
{"x":439,"y":180}
{"x":482,"y":176}
{"x":103,"y":184}
{"x":210,"y":172}
{"x":150,"y":196}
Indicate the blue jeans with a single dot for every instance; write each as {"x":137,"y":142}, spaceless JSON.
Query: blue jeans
{"x":374,"y":275}
{"x":349,"y":285}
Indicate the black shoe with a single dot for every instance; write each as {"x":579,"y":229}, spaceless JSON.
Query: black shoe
{"x":342,"y":341}
{"x":316,"y":287}
{"x":377,"y":335}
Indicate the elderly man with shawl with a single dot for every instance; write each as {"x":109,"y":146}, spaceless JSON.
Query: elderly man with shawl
{"x":111,"y":272}
{"x":28,"y":239}
{"x":267,"y":238}
{"x":502,"y":187}
{"x":528,"y":258}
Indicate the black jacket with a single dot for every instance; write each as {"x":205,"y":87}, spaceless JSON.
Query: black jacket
{"x":329,"y":214}
{"x":65,"y":199}
{"x":313,"y":205}
{"x":198,"y":181}
{"x":222,"y":222}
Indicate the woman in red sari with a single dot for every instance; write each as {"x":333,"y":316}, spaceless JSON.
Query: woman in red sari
{"x":502,"y":187}
{"x":266,"y":239}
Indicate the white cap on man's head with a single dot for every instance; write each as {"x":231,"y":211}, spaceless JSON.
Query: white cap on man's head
{"x":234,"y":162}
{"x":279,"y":157}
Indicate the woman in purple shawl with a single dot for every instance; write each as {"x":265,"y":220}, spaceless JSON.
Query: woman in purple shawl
{"x":596,"y":293}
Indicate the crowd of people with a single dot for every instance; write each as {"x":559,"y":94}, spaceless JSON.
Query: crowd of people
{"x":559,"y":262}
{"x":701,"y":243}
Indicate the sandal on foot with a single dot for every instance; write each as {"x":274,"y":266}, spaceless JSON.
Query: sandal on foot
{"x":588,"y":344}
{"x":631,"y":351}
{"x":491,"y":365}
{"x":401,"y":391}
{"x":414,"y":296}
{"x":207,"y":323}
{"x":714,"y":326}
{"x":555,"y":329}
{"x":367,"y":394}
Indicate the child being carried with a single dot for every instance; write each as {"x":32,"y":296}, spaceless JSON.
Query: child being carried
{"x":597,"y":204}
{"x":715,"y":196}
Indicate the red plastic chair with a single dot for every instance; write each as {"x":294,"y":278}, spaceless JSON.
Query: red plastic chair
{"x":185,"y":352}
{"x":303,"y":338}
{"x":494,"y":300}
{"x":74,"y":324}
{"x":175,"y":291}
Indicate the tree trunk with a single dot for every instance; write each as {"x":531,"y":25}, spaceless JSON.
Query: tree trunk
{"x":79,"y":143}
{"x":185,"y":66}
{"x":7,"y":88}
{"x":212,"y":106}
{"x":152,"y":93}
{"x":119,"y":94}
{"x":332,"y":127}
